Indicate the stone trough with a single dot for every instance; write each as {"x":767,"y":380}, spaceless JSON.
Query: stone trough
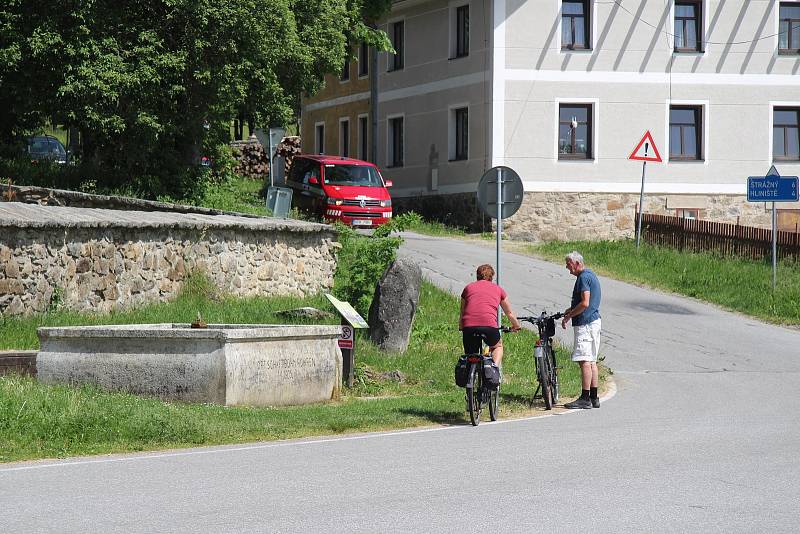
{"x":230,"y":364}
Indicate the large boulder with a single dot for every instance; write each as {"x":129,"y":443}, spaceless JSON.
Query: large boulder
{"x":394,"y":305}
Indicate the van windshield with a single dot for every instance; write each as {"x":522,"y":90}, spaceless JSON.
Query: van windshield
{"x":361,"y":175}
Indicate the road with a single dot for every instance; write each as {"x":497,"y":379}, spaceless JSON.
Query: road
{"x":701,"y":436}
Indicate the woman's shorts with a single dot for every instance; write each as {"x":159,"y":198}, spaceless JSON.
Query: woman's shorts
{"x":587,"y":342}
{"x":472,"y":338}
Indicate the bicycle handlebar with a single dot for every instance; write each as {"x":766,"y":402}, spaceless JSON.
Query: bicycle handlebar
{"x":543,"y":317}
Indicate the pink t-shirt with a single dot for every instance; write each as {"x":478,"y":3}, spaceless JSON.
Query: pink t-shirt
{"x":482,"y":299}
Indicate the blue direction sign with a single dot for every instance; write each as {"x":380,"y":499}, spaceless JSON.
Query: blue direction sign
{"x":772,"y":188}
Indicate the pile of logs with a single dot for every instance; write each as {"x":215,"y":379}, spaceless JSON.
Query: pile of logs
{"x":289,"y":147}
{"x":252,"y":160}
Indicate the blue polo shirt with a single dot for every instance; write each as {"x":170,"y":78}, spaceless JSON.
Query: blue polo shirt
{"x":586,"y":281}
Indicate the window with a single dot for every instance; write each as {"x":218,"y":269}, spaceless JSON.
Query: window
{"x":575,"y":25}
{"x":395,"y":158}
{"x":302,"y":170}
{"x":363,"y":60}
{"x":575,"y":131}
{"x":344,"y":137}
{"x":397,"y":37}
{"x":789,"y":28}
{"x":687,"y":213}
{"x":785,"y":141}
{"x":319,"y":138}
{"x":685,"y":127}
{"x":462,"y":31}
{"x":363,"y":139}
{"x":688,"y":22}
{"x":460,"y":132}
{"x":345,"y":75}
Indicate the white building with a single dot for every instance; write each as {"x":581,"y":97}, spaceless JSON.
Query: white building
{"x":563,"y":90}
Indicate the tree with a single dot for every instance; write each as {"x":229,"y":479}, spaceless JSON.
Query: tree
{"x":153,"y":85}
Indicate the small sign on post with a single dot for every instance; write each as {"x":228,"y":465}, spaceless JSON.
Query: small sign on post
{"x":641,"y":153}
{"x":773,"y":188}
{"x":351,"y":320}
{"x":346,"y":337}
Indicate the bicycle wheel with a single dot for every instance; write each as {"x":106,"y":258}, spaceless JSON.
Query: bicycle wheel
{"x":474,"y":396}
{"x":494,"y":401}
{"x":555,"y":388}
{"x":544,"y":381}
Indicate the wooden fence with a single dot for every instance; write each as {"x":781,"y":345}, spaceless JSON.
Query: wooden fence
{"x":724,"y":239}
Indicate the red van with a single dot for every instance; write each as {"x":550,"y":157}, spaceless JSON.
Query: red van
{"x":336,"y":188}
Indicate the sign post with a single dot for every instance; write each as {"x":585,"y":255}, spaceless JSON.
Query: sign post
{"x":500,"y":196}
{"x":773,"y":188}
{"x":638,"y":155}
{"x":275,"y":136}
{"x":351,"y":320}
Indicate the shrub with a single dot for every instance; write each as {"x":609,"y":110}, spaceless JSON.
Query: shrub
{"x":363,"y":259}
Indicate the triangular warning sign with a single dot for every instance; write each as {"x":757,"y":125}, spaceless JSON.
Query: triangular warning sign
{"x":646,"y":149}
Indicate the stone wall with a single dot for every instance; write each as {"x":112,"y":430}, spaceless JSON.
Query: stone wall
{"x":101,"y":260}
{"x":575,"y":216}
{"x":591,"y":216}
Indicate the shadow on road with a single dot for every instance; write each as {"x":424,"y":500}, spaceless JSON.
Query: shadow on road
{"x":441,"y":418}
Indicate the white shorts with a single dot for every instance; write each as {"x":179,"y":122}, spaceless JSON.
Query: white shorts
{"x":587,"y":342}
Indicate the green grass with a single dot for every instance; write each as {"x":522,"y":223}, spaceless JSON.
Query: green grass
{"x":242,"y":195}
{"x":433,"y":228}
{"x":736,"y":284}
{"x":38,"y":421}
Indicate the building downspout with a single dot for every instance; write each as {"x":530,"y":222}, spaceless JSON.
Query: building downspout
{"x":373,"y":105}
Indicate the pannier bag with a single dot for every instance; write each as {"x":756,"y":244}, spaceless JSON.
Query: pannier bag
{"x":462,"y":372}
{"x":491,"y":375}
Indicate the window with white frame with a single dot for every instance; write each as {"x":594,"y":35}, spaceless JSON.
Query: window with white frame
{"x":687,"y":213}
{"x":319,"y":138}
{"x":344,"y":137}
{"x":575,"y":24}
{"x":395,"y":155}
{"x":685,"y":133}
{"x":363,"y":139}
{"x":575,"y":131}
{"x":459,"y":134}
{"x":789,"y":28}
{"x":397,"y":37}
{"x":688,"y":25}
{"x":785,"y":133}
{"x":460,"y":26}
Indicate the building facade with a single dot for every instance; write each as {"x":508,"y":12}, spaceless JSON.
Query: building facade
{"x":563,"y":90}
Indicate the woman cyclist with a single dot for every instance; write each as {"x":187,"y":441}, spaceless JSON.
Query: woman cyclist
{"x":479,"y":302}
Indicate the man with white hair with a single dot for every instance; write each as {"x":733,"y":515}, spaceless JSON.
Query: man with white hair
{"x":585,"y":315}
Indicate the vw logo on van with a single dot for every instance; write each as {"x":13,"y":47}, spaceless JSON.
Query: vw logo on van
{"x":362,"y":203}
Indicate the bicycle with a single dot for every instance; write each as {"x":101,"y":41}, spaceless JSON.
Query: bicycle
{"x":544,"y":357}
{"x":477,"y":395}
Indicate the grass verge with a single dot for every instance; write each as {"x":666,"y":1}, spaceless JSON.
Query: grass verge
{"x":736,"y":284}
{"x":38,"y":421}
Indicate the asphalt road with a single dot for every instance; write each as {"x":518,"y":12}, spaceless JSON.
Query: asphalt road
{"x":701,"y":436}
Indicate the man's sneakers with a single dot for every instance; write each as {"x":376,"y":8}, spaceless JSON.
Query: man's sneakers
{"x":595,"y":402}
{"x":579,"y":403}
